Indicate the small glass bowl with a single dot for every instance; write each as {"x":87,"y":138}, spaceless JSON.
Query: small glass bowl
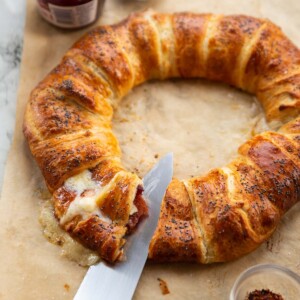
{"x":277,"y":279}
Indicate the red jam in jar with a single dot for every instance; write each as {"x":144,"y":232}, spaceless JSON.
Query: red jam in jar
{"x":70,"y":13}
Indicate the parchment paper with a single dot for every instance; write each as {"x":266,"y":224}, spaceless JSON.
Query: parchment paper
{"x":201,"y":122}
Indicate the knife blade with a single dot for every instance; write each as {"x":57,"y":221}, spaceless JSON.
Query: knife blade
{"x":114,"y":282}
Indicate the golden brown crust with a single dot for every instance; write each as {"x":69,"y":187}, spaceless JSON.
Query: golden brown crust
{"x":64,"y":156}
{"x":99,"y":236}
{"x":230,"y":34}
{"x":176,"y":237}
{"x":224,"y":228}
{"x":189,"y":32}
{"x":217,"y":217}
{"x":101,"y":47}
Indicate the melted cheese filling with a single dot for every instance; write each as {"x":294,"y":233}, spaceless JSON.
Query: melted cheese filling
{"x":88,"y":203}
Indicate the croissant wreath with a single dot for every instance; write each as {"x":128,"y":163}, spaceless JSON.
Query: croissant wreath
{"x":213,"y":218}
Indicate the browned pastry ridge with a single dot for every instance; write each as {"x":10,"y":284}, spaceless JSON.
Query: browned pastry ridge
{"x":213,"y":218}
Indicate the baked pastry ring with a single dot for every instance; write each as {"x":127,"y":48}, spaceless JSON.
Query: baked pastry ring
{"x":213,"y":218}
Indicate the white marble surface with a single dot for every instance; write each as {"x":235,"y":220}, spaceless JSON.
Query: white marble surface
{"x":12,"y":16}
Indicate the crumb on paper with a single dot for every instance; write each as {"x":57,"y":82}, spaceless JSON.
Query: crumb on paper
{"x":273,"y":244}
{"x":67,"y":287}
{"x":156,"y":156}
{"x":269,"y":245}
{"x":163,"y":286}
{"x":123,"y":120}
{"x":42,"y":193}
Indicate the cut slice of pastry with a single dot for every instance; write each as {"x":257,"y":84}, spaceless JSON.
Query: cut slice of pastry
{"x":99,"y":209}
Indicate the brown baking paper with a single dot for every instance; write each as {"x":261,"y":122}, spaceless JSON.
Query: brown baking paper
{"x":203,"y":123}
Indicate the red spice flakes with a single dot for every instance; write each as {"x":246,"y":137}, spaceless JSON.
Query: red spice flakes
{"x":163,"y":286}
{"x":67,"y":287}
{"x":263,"y":295}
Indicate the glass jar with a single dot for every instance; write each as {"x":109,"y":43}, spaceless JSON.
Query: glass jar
{"x":70,"y":13}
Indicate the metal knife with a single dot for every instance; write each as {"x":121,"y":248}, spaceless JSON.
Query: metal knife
{"x":115,"y":282}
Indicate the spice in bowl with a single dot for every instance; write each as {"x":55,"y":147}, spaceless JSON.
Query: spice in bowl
{"x":263,"y":295}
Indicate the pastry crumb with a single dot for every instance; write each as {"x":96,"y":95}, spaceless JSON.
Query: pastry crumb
{"x":156,"y":156}
{"x":67,"y":287}
{"x":163,"y":286}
